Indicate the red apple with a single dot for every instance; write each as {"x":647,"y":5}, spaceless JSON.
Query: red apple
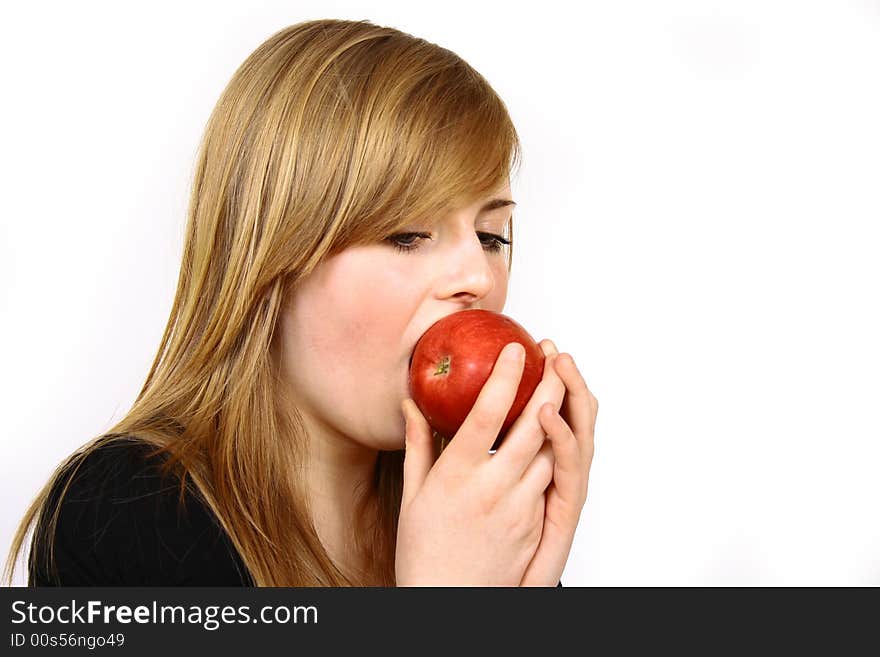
{"x":454,"y":358}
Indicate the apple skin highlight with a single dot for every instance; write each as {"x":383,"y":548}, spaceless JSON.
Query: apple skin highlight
{"x":453,"y":360}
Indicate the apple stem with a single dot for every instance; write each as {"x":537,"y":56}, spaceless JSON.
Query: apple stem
{"x":442,"y":367}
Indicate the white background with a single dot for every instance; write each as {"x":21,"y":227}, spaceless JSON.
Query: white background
{"x":697,"y":224}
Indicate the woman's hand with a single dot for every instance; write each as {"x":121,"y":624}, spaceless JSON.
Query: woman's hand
{"x":472,"y":518}
{"x":570,"y":453}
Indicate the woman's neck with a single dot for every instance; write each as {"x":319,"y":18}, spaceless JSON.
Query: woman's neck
{"x":342,"y":497}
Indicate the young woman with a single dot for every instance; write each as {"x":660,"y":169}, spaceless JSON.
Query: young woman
{"x":352,"y":188}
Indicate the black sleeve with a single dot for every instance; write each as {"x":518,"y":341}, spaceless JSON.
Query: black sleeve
{"x":120,"y":524}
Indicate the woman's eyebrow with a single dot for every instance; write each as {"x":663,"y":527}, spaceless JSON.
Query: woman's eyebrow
{"x":493,"y":204}
{"x":496,"y":203}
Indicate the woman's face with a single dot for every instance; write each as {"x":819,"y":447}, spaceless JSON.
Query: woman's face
{"x":349,"y":329}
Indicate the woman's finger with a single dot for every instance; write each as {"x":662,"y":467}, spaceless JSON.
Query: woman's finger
{"x":419,"y":456}
{"x":525,"y":437}
{"x":539,"y":474}
{"x":483,"y":424}
{"x":580,"y":407}
{"x":569,"y":475}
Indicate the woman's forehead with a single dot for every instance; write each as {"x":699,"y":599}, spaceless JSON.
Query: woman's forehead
{"x":490,"y":203}
{"x":496,"y":205}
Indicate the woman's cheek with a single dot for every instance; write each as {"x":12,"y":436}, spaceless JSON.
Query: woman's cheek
{"x":496,"y":299}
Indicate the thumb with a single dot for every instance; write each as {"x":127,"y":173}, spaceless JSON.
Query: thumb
{"x":419,"y":455}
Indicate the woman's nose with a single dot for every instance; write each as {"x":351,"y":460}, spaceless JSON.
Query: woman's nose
{"x":468,"y":276}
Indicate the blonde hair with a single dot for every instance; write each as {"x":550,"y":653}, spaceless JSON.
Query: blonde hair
{"x":330,"y":134}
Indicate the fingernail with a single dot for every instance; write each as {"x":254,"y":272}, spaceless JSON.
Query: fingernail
{"x":514,"y":352}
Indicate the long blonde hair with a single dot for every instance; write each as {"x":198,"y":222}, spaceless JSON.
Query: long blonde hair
{"x":330,"y":134}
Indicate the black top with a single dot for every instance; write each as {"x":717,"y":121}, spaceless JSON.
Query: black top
{"x":120,"y":525}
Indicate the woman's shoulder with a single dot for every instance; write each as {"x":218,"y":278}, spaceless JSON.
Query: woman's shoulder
{"x":116,"y":465}
{"x":115,"y":474}
{"x":121,"y":522}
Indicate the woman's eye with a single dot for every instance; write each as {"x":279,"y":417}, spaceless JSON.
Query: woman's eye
{"x":406,"y":242}
{"x":493,"y":242}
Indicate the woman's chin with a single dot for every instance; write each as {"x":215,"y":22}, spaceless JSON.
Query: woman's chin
{"x":391,"y":445}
